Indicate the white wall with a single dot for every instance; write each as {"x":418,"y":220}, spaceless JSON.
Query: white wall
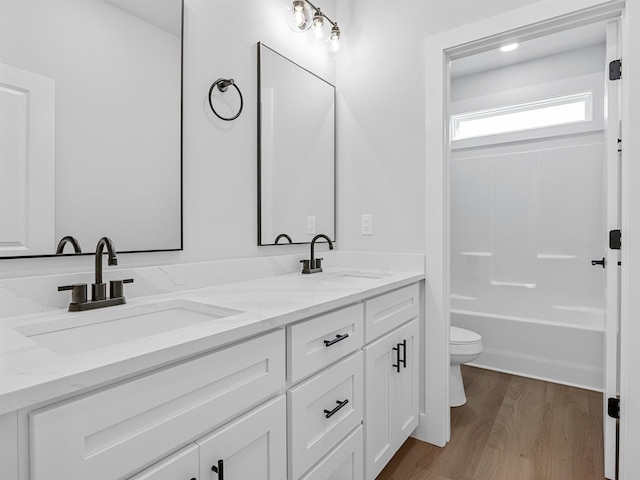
{"x":381,"y":115}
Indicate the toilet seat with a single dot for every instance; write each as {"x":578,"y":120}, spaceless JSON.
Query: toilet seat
{"x":460,"y":336}
{"x":464,"y":342}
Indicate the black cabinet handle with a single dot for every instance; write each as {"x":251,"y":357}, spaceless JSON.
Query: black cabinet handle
{"x":404,"y":353}
{"x":400,"y":360}
{"x":328,"y":343}
{"x":329,"y":413}
{"x":598,"y":262}
{"x":219,"y":470}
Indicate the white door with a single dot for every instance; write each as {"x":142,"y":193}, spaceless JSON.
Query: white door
{"x":27,"y":161}
{"x":612,"y":256}
{"x":252,"y":447}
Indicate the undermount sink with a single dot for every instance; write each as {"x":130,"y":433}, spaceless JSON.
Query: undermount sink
{"x":349,"y":277}
{"x":77,"y":333}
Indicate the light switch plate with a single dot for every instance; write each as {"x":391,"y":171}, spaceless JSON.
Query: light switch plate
{"x":366,"y":224}
{"x":311,"y":225}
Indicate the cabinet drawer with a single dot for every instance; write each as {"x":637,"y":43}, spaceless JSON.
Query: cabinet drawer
{"x":181,"y":465}
{"x":343,"y":463}
{"x":317,"y":421}
{"x":388,"y":311}
{"x":318,"y":342}
{"x":120,"y":430}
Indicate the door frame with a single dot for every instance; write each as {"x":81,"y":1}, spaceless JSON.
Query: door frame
{"x":543,"y":16}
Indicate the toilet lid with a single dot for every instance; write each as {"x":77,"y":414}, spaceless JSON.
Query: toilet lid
{"x":459,"y":336}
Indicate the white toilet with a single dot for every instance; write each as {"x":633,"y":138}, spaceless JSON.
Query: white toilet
{"x":464,"y":347}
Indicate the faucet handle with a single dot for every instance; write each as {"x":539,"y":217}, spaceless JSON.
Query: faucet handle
{"x":305,"y":266}
{"x":318,"y":263}
{"x":116,"y":288}
{"x":78,"y":292}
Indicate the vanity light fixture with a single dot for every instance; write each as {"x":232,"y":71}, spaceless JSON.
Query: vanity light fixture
{"x":509,"y":48}
{"x":305,"y":16}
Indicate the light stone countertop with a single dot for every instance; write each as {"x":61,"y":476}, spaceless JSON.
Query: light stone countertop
{"x":31,"y":375}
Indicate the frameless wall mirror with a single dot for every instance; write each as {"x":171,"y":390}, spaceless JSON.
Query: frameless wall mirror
{"x":90,"y":124}
{"x":296,"y":154}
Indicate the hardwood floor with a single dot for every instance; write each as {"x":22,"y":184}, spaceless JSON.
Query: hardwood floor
{"x":512,"y":428}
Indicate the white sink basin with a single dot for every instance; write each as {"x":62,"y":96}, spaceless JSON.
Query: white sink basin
{"x":82,"y":332}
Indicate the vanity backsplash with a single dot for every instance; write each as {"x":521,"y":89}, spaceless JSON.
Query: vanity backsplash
{"x":20,"y":296}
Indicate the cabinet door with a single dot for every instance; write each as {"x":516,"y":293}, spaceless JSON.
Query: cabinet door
{"x":391,"y":390}
{"x":253,"y":447}
{"x":404,"y":384}
{"x":182,"y":465}
{"x":378,"y":358}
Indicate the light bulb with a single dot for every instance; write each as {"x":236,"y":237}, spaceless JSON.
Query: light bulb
{"x":336,"y":41}
{"x":320,"y":29}
{"x":300,"y":15}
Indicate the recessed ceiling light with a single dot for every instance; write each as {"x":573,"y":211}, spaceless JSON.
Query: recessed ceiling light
{"x":509,"y":48}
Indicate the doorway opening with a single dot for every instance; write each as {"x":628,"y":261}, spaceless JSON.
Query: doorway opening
{"x":533,"y":182}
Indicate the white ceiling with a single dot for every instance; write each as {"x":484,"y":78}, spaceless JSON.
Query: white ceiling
{"x":580,"y":37}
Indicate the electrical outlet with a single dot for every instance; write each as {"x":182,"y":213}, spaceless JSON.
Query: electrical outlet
{"x":366,"y":225}
{"x":311,"y":225}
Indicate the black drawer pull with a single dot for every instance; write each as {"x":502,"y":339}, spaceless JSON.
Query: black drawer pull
{"x":329,"y":413}
{"x":400,"y":360}
{"x":219,"y":470}
{"x":328,"y":343}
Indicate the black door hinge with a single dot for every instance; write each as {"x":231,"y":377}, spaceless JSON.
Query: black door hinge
{"x":619,"y":145}
{"x":615,"y":239}
{"x":615,"y":70}
{"x":613,"y":408}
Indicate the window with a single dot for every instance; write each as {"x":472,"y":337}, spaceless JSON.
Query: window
{"x":562,"y":110}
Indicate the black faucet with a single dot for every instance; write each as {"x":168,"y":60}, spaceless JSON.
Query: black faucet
{"x":68,"y":239}
{"x":98,"y":289}
{"x":314,"y":265}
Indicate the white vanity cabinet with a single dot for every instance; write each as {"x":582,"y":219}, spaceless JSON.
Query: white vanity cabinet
{"x":391,"y":376}
{"x":115,"y":432}
{"x":328,"y":397}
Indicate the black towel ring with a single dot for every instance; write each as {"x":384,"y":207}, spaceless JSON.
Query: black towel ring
{"x":223,"y":86}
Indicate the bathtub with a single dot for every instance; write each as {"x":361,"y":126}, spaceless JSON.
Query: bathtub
{"x":561,"y":352}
